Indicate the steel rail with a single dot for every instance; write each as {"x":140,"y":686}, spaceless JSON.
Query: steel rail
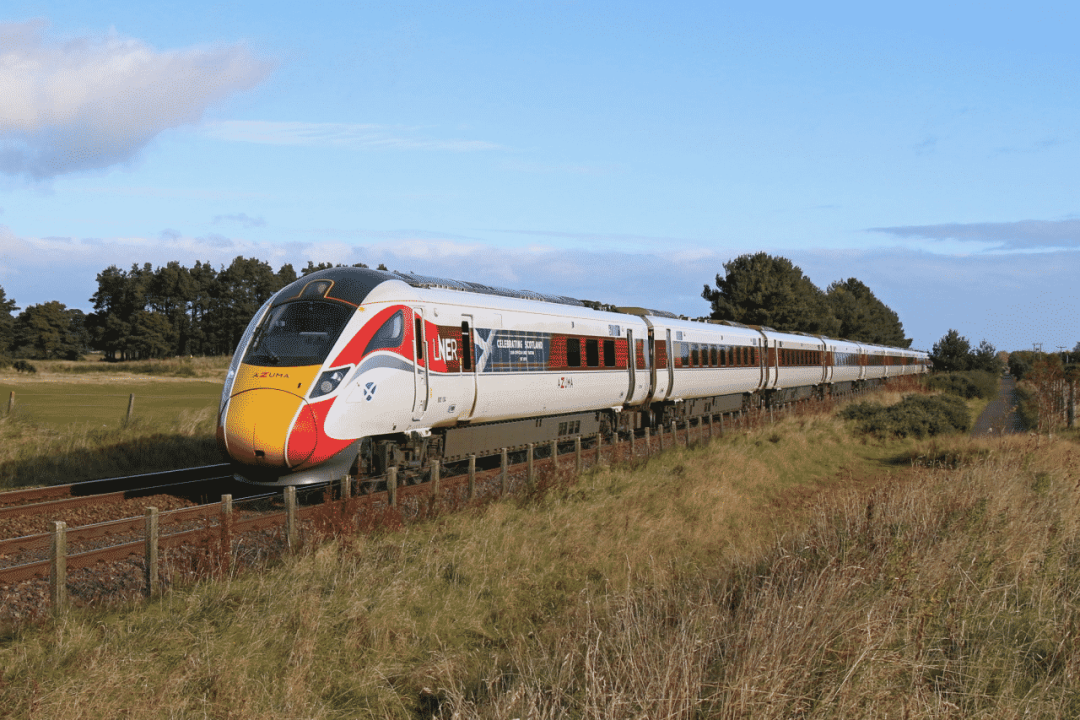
{"x":118,"y":484}
{"x":84,"y":500}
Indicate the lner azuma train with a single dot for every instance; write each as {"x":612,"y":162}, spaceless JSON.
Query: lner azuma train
{"x":351,"y":370}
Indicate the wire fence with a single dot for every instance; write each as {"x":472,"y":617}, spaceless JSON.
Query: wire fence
{"x":95,"y":406}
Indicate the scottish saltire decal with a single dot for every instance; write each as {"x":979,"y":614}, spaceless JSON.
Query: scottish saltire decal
{"x":511,"y":350}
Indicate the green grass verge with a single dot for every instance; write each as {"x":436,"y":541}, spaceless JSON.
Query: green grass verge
{"x":61,"y":431}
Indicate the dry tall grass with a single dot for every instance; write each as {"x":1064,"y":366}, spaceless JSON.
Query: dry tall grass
{"x":94,"y":366}
{"x":791,"y":571}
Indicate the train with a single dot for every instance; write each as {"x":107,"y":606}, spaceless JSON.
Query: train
{"x":353,"y":371}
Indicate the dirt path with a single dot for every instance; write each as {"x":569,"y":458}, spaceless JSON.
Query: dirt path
{"x":1000,"y":415}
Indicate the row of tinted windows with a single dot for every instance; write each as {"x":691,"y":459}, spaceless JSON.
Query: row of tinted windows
{"x":593,"y":347}
{"x":705,"y":355}
{"x":796,"y":358}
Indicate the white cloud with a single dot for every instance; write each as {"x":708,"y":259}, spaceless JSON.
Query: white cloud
{"x":348,"y":135}
{"x":1020,"y":235}
{"x":92,"y":102}
{"x":242,"y":218}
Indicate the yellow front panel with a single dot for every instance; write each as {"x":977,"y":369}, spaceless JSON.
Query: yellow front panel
{"x":261,"y":410}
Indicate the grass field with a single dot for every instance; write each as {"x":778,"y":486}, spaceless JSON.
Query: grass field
{"x":102,"y":401}
{"x":70,"y":421}
{"x":793,"y":571}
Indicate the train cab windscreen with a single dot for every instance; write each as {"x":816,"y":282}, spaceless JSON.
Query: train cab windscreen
{"x":297,"y":334}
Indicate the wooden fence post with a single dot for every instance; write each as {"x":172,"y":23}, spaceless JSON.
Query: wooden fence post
{"x":150,"y":564}
{"x":391,"y":486}
{"x":290,"y":517}
{"x":11,"y":402}
{"x":599,"y":445}
{"x":577,"y":455}
{"x":504,"y":478}
{"x":529,"y":464}
{"x":554,"y":456}
{"x":226,"y":531}
{"x":58,"y":568}
{"x":346,"y":486}
{"x":131,"y":406}
{"x":436,"y":472}
{"x":648,"y":443}
{"x":472,"y":474}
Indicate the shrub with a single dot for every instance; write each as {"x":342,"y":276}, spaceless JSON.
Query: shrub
{"x":23,"y":366}
{"x":915,"y":416}
{"x":969,"y":384}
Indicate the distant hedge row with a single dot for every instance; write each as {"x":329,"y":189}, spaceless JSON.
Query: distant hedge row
{"x":915,"y":416}
{"x":969,"y":384}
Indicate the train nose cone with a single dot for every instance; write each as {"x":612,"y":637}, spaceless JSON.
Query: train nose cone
{"x":269,"y":428}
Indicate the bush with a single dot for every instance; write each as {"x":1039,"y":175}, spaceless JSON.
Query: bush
{"x":1027,"y":406}
{"x":969,"y":384}
{"x":915,"y":416}
{"x":23,"y":366}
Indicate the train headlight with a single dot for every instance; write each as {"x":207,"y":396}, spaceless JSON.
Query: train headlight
{"x":328,"y":382}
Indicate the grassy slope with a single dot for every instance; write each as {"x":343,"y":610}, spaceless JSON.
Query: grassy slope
{"x":793,"y":571}
{"x":789,"y":571}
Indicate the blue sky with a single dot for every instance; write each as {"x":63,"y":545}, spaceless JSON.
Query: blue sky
{"x":616,"y":151}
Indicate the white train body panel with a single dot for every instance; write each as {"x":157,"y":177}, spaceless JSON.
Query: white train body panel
{"x":347,"y":354}
{"x":691,"y":370}
{"x":845,"y":365}
{"x":794,"y":360}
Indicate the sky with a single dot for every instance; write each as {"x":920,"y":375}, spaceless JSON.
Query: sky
{"x":614,"y":151}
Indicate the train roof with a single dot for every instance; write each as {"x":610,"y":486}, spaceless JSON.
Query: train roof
{"x":352,"y":285}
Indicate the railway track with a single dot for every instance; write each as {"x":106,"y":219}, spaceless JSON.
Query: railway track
{"x":129,"y":483}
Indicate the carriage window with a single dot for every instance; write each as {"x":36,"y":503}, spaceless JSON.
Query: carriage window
{"x":695,"y":360}
{"x":592,"y":352}
{"x":573,"y":352}
{"x":712,"y":352}
{"x":609,"y":353}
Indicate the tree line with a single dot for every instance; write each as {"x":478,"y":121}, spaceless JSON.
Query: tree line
{"x":762,"y":289}
{"x":150,"y":313}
